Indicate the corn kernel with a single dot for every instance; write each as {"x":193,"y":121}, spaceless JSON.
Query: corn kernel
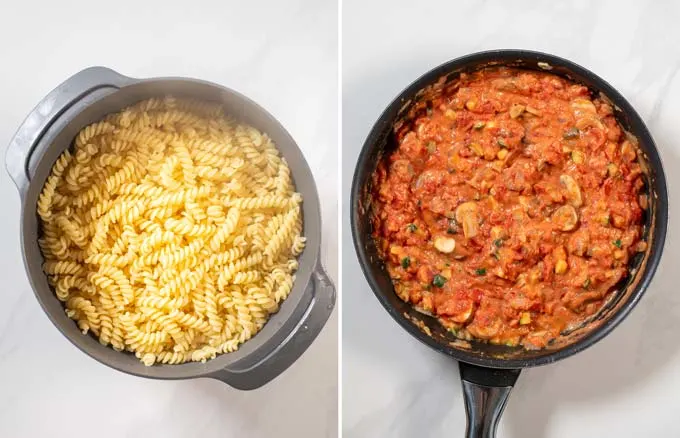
{"x":497,"y":166}
{"x":525,"y":318}
{"x":604,"y":219}
{"x":396,"y":249}
{"x":577,"y":157}
{"x":612,"y":169}
{"x":471,"y":104}
{"x":618,"y":221}
{"x":619,"y":254}
{"x":450,"y":114}
{"x":560,"y":267}
{"x":502,"y":154}
{"x":497,"y":232}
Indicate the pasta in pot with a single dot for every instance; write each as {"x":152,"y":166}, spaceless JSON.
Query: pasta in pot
{"x":170,"y":230}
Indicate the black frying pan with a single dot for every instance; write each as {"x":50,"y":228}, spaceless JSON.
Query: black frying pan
{"x":488,"y":372}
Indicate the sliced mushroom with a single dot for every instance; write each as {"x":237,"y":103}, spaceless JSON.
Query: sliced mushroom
{"x":583,"y":107}
{"x":444,"y":244}
{"x":470,"y":226}
{"x":465,"y":309}
{"x":643,"y":201}
{"x":588,"y":122}
{"x":565,"y":218}
{"x":486,"y":331}
{"x":466,"y":214}
{"x":628,"y":151}
{"x":516,"y":110}
{"x":578,"y":243}
{"x":573,"y":190}
{"x":534,"y":111}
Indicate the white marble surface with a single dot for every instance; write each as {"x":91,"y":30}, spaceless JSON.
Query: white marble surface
{"x":281,"y":54}
{"x":627,"y":385}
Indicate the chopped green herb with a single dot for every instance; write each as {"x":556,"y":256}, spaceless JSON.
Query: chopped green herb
{"x":478,"y":125}
{"x":586,"y":284}
{"x":447,"y":264}
{"x":438,"y":281}
{"x":431,"y":146}
{"x":502,"y":143}
{"x":411,"y":227}
{"x":498,"y":243}
{"x":406,"y":262}
{"x":617,"y":243}
{"x":480,"y":271}
{"x":571,"y":133}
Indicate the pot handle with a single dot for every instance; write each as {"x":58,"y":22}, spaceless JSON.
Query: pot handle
{"x":49,"y":109}
{"x":486,"y":392}
{"x":312,"y":321}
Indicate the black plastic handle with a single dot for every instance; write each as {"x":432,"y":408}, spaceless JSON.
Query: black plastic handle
{"x":312,"y":321}
{"x":486,"y":391}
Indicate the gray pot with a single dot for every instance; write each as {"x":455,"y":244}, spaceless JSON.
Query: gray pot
{"x":87,"y":97}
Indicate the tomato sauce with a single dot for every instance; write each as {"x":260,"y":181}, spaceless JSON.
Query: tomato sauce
{"x":511,"y":207}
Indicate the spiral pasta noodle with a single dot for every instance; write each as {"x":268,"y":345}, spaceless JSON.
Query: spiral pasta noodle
{"x":170,"y":230}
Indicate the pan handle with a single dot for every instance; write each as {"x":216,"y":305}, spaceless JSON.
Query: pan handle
{"x":486,"y":391}
{"x":296,"y":343}
{"x":47,"y":111}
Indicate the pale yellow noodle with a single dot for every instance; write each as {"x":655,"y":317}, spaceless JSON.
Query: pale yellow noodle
{"x":170,"y":231}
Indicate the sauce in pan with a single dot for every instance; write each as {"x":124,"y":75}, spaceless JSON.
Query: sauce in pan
{"x":511,"y":207}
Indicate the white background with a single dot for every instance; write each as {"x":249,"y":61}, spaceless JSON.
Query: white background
{"x":628,"y":385}
{"x":281,"y":54}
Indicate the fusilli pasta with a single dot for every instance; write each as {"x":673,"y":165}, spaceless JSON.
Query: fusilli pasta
{"x":170,"y":230}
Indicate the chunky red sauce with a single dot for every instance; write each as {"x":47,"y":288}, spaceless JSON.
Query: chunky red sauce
{"x":511,"y":207}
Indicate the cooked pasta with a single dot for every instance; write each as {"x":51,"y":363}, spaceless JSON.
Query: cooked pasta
{"x":171,"y":231}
